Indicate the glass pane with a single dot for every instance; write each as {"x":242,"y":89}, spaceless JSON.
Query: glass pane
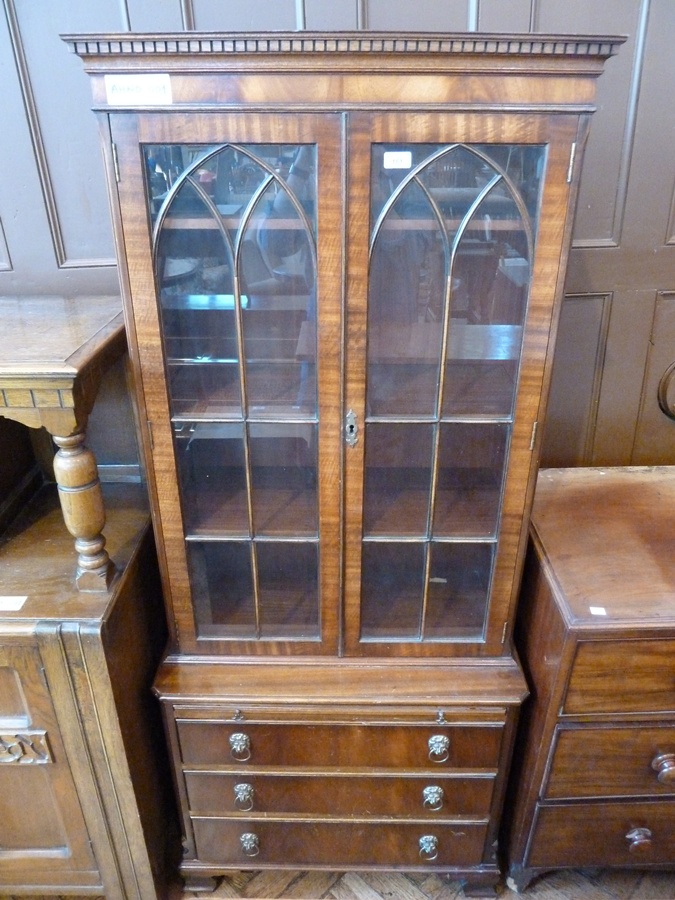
{"x":197,"y":306}
{"x":392,"y":590}
{"x":458,"y":590}
{"x":471,"y":461}
{"x":222,"y":588}
{"x":212,"y":469}
{"x":278,"y":275}
{"x":406,"y":300}
{"x":453,"y":229}
{"x":490,"y":275}
{"x":235,"y":265}
{"x":283,"y":475}
{"x":523,"y":166}
{"x":398,"y":479}
{"x":202,"y":356}
{"x":288,"y":577}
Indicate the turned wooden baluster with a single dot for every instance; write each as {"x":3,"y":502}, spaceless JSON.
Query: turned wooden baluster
{"x":83,"y":511}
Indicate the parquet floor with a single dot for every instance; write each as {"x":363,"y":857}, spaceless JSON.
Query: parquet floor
{"x":567,"y":885}
{"x":563,"y":885}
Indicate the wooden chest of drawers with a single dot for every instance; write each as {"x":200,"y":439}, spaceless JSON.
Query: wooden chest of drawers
{"x":323,"y":766}
{"x":594,"y":779}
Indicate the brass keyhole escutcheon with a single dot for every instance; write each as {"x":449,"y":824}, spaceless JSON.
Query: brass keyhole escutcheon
{"x":351,"y":429}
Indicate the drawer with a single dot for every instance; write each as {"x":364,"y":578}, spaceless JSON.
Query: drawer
{"x":603,"y":834}
{"x":622,"y":677}
{"x":297,"y":844}
{"x":328,"y":746}
{"x":220,"y":793}
{"x":618,"y":761}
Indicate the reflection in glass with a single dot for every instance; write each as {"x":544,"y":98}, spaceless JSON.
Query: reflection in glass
{"x":224,"y":592}
{"x":406,"y":296}
{"x":283,"y":479}
{"x":459,"y":581}
{"x":211,"y":460}
{"x":288,"y":577}
{"x":222,"y":588}
{"x":234,"y":233}
{"x":470,"y":467}
{"x":453,"y":229}
{"x":392,"y":590}
{"x":398,"y":479}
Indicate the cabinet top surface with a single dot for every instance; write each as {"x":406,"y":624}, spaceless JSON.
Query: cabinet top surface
{"x":607,"y":537}
{"x":56,"y":336}
{"x":36,"y":557}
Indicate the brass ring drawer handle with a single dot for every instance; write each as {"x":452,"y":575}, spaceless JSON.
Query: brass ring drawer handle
{"x":432,"y":797}
{"x":243,"y":797}
{"x":240,"y":747}
{"x":664,"y":766}
{"x":428,"y":844}
{"x":439,"y":748}
{"x":250,"y":844}
{"x":639,"y":840}
{"x":663,"y":393}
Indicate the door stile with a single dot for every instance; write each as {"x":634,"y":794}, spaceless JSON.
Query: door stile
{"x":358,"y":234}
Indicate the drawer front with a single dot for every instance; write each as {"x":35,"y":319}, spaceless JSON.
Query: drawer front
{"x":622,"y":676}
{"x":327,"y":746}
{"x":253,"y":843}
{"x":603,"y":762}
{"x":603,"y":834}
{"x":222,"y":794}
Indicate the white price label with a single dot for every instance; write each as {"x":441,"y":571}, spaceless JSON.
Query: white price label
{"x":138,"y":90}
{"x":11,"y":603}
{"x":598,"y":610}
{"x":397,"y":159}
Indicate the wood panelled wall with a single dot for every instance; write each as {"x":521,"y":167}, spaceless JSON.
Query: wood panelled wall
{"x":617,"y":329}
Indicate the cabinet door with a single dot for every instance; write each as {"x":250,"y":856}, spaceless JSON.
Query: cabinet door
{"x":44,"y":841}
{"x":453,"y":263}
{"x":235,"y":256}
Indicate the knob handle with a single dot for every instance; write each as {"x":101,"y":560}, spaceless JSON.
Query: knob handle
{"x":664,"y":766}
{"x":639,"y":840}
{"x":432,"y":797}
{"x":240,"y":747}
{"x":250,"y":844}
{"x":243,"y":797}
{"x":428,"y":845}
{"x":439,"y":748}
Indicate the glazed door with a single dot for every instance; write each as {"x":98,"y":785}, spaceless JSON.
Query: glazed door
{"x":453,"y":261}
{"x":236,"y":257}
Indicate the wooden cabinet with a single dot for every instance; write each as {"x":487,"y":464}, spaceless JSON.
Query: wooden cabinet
{"x":82,"y":803}
{"x":291,"y":765}
{"x":45,"y":839}
{"x":342,"y":256}
{"x":594,"y":785}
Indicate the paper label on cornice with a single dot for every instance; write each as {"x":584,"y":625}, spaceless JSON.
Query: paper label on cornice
{"x":138,"y":90}
{"x":597,"y":610}
{"x":11,"y":603}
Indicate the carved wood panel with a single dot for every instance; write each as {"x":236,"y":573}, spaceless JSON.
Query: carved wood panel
{"x":43,"y":835}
